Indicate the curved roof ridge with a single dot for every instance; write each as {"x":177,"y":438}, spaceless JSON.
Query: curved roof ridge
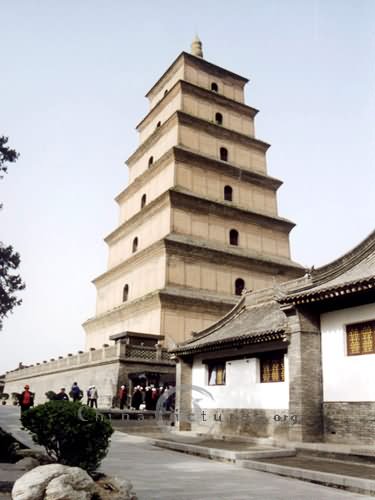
{"x":345,"y":261}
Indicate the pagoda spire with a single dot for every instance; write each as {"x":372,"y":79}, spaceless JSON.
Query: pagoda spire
{"x":196,"y":47}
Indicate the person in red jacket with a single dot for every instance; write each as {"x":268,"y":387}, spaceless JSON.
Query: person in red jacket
{"x":26,"y":399}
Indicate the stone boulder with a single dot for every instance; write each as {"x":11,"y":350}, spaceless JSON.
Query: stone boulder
{"x":113,"y":488}
{"x":54,"y":482}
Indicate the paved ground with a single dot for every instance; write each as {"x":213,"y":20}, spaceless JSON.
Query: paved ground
{"x":159,"y":474}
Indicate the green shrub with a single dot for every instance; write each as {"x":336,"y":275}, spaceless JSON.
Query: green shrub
{"x":71,"y":433}
{"x":15,"y":398}
{"x":50,"y":395}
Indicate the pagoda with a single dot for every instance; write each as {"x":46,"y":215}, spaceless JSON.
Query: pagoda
{"x":198,"y":220}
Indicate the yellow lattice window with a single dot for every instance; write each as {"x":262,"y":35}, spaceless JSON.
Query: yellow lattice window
{"x":216,"y":374}
{"x":272,"y":369}
{"x":360,"y":338}
{"x":266,"y":372}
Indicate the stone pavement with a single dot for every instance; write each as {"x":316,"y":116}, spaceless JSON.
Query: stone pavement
{"x":159,"y":474}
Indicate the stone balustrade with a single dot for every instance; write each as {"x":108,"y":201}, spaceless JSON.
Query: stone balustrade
{"x":88,"y":358}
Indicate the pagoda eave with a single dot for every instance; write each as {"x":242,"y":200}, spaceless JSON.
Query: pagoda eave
{"x":183,"y":118}
{"x":187,"y":199}
{"x":193,"y":89}
{"x":180,"y":153}
{"x":183,"y":245}
{"x":202,"y":63}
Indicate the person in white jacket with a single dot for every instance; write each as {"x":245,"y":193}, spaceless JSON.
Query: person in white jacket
{"x":93,"y":397}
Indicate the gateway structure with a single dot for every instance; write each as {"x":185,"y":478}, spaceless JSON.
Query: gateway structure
{"x":198,"y":220}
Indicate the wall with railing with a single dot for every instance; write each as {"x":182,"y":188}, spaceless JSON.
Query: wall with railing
{"x":99,"y":367}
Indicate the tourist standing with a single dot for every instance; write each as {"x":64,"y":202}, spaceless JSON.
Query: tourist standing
{"x":123,"y":394}
{"x":75,"y":392}
{"x":154,"y":398}
{"x":93,"y":397}
{"x":26,"y":399}
{"x":88,"y":394}
{"x":62,"y":395}
{"x":137,"y":398}
{"x":148,"y":399}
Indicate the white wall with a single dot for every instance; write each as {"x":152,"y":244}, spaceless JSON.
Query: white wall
{"x":243,"y":388}
{"x":346,"y":378}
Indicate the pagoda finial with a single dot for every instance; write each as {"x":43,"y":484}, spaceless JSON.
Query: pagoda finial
{"x":196,"y":47}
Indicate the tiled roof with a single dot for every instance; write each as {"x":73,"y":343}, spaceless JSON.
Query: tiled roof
{"x":245,"y":324}
{"x":353,"y":272}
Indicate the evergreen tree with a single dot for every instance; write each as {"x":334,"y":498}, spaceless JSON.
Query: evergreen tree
{"x":10,"y":282}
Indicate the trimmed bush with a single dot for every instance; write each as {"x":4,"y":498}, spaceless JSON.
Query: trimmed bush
{"x":15,"y":398}
{"x":3,"y":398}
{"x":71,"y":433}
{"x":50,"y":395}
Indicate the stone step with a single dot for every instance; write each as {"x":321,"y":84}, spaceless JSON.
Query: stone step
{"x":353,"y":477}
{"x":226,"y":454}
{"x":360,"y":457}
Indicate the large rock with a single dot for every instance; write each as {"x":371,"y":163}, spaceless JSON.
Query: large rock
{"x":113,"y":488}
{"x":54,"y":482}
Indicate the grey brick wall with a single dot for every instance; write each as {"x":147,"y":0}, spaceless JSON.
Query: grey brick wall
{"x":349,"y":422}
{"x":256,"y":423}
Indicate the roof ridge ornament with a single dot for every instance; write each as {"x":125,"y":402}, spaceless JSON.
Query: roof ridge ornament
{"x":196,"y":47}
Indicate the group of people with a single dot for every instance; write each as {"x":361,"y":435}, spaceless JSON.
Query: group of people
{"x":76,"y":394}
{"x":143,"y":397}
{"x":146,"y":398}
{"x":26,"y":398}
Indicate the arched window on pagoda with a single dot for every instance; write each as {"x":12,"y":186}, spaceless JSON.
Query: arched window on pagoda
{"x":125,"y":293}
{"x":143,"y":201}
{"x":233,"y":237}
{"x":223,"y":154}
{"x":214,"y":87}
{"x":218,"y":119}
{"x":135,"y":245}
{"x":150,"y":161}
{"x":228,"y":193}
{"x":239,"y":286}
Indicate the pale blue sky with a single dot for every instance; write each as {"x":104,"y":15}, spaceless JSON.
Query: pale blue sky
{"x":72,"y":80}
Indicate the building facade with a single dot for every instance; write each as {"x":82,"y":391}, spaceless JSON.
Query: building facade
{"x":292,"y":362}
{"x":198,"y":220}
